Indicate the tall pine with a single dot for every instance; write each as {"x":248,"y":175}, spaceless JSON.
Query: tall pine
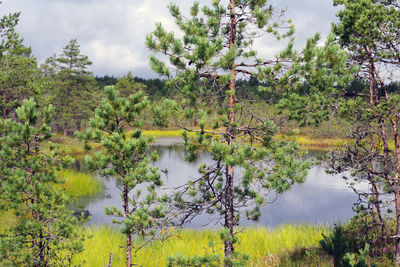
{"x":72,"y":89}
{"x":215,"y":51}
{"x":370,"y":30}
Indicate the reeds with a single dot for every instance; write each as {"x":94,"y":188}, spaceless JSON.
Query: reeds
{"x":262,"y":244}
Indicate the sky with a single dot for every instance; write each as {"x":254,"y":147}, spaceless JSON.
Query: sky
{"x":112,"y":32}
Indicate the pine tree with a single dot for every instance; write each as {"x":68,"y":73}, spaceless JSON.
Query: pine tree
{"x":127,"y":85}
{"x":73,"y":87}
{"x":125,"y":156}
{"x":370,"y":31}
{"x":46,"y":233}
{"x":18,"y":68}
{"x":215,"y":50}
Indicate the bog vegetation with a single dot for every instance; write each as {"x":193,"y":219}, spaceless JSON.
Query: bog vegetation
{"x":252,"y":115}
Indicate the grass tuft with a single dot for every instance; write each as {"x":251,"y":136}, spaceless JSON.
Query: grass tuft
{"x":78,"y":184}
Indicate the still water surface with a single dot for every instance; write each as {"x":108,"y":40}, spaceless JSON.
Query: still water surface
{"x":322,"y":199}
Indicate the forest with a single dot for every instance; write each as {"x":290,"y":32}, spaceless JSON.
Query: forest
{"x":226,"y":158}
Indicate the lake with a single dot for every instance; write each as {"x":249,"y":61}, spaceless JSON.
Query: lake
{"x":322,"y":199}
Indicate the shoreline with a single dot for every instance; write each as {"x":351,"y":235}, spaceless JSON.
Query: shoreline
{"x":73,"y":147}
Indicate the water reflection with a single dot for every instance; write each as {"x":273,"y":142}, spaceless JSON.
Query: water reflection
{"x":322,"y":199}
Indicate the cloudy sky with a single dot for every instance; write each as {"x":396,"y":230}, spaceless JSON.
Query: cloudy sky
{"x":112,"y":32}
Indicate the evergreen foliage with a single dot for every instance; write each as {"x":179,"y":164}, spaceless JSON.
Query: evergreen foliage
{"x":18,"y":68}
{"x":215,"y":50}
{"x":359,"y":260}
{"x":213,"y":72}
{"x":105,"y":80}
{"x":45,"y":233}
{"x":72,"y":88}
{"x":369,"y":30}
{"x":127,"y":85}
{"x":335,"y":244}
{"x":125,"y":156}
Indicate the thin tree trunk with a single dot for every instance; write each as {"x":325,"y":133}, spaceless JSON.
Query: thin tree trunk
{"x":42,"y":259}
{"x":110,"y":260}
{"x":376,"y":211}
{"x":397,"y":237}
{"x":396,"y":179}
{"x":128,"y":235}
{"x":229,"y":194}
{"x":65,"y":130}
{"x":229,"y":211}
{"x":4,"y":111}
{"x":376,"y":208}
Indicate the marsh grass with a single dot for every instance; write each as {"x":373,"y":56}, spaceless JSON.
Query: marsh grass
{"x":317,"y":143}
{"x":163,"y":133}
{"x":67,"y":145}
{"x":7,"y":219}
{"x":79,"y":184}
{"x":72,"y":146}
{"x":264,"y":245}
{"x":305,"y":141}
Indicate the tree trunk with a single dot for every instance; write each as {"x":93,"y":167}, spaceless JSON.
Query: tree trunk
{"x":229,"y":194}
{"x":42,"y":259}
{"x":110,"y":260}
{"x":395,"y":182}
{"x":229,"y":211}
{"x":77,"y":124}
{"x":128,"y":235}
{"x":128,"y":250}
{"x":5,"y":111}
{"x":376,"y":212}
{"x":397,"y":237}
{"x":65,"y":129}
{"x":376,"y":209}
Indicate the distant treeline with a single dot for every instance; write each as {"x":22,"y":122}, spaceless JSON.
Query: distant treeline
{"x":156,"y":88}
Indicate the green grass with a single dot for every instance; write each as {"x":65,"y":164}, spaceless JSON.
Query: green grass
{"x":67,"y":145}
{"x":264,"y":245}
{"x":163,"y":133}
{"x":78,"y":184}
{"x":316,"y":143}
{"x":7,"y":219}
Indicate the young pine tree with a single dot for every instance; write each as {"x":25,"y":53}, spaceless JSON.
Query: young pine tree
{"x":215,"y":50}
{"x":125,"y":156}
{"x":46,"y":233}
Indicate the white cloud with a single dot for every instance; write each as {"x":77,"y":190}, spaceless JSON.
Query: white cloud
{"x":112,"y":32}
{"x":114,"y":57}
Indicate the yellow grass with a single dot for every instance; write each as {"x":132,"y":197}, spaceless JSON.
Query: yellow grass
{"x":78,"y":184}
{"x":260,"y":243}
